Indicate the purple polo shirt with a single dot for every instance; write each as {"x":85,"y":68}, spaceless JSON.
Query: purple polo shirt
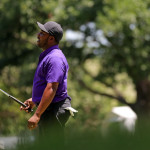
{"x":52,"y":67}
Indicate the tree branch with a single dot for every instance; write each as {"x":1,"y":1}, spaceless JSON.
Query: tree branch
{"x":118,"y":97}
{"x":106,"y":84}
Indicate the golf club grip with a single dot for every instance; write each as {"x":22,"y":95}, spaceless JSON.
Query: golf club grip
{"x":29,"y":109}
{"x":16,"y":100}
{"x":21,"y":103}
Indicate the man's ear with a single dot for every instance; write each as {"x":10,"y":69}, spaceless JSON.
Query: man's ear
{"x":51,"y":38}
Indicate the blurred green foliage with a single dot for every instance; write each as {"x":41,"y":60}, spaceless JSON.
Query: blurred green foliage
{"x":109,"y":63}
{"x":89,"y":139}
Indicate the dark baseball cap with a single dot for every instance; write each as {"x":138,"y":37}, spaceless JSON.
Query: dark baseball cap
{"x":53,"y":29}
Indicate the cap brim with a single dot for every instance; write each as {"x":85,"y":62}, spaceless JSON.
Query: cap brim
{"x":41,"y":26}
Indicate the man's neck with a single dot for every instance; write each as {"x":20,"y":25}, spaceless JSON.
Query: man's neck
{"x":48,"y":46}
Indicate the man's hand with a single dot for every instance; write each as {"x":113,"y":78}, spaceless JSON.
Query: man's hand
{"x":47,"y":98}
{"x":33,"y":121}
{"x":29,"y":104}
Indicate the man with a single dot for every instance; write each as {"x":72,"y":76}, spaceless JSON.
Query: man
{"x":50,"y":81}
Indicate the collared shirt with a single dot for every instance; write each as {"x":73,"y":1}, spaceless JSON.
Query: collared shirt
{"x":52,"y":67}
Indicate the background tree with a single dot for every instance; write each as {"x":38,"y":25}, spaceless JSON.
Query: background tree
{"x":107,"y":46}
{"x":117,"y":34}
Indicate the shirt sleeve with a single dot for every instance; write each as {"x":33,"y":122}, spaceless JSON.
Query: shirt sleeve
{"x":54,"y":70}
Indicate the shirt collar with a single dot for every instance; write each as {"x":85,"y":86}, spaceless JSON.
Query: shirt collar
{"x":43,"y":54}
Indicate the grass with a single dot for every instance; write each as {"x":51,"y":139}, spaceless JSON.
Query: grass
{"x":114,"y":139}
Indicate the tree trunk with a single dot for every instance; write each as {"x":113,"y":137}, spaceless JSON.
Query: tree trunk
{"x":142,"y":105}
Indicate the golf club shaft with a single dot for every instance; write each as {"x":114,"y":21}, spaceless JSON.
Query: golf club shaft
{"x":15,"y":99}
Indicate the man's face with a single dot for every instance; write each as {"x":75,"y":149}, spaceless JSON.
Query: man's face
{"x":42,"y":39}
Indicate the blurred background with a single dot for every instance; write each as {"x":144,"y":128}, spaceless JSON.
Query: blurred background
{"x":107,"y":45}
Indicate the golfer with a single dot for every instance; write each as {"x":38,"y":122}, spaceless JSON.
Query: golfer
{"x":49,"y":93}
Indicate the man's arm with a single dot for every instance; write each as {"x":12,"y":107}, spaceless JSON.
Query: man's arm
{"x":47,"y":98}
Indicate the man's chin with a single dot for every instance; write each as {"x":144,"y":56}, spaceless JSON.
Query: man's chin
{"x":38,"y":44}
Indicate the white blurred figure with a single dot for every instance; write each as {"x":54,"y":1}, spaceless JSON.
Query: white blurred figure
{"x":126,"y":116}
{"x":122,"y":115}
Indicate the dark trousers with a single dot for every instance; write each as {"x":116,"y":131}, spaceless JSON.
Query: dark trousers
{"x":53,"y":120}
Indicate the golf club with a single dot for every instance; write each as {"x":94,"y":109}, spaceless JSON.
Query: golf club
{"x":16,"y":100}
